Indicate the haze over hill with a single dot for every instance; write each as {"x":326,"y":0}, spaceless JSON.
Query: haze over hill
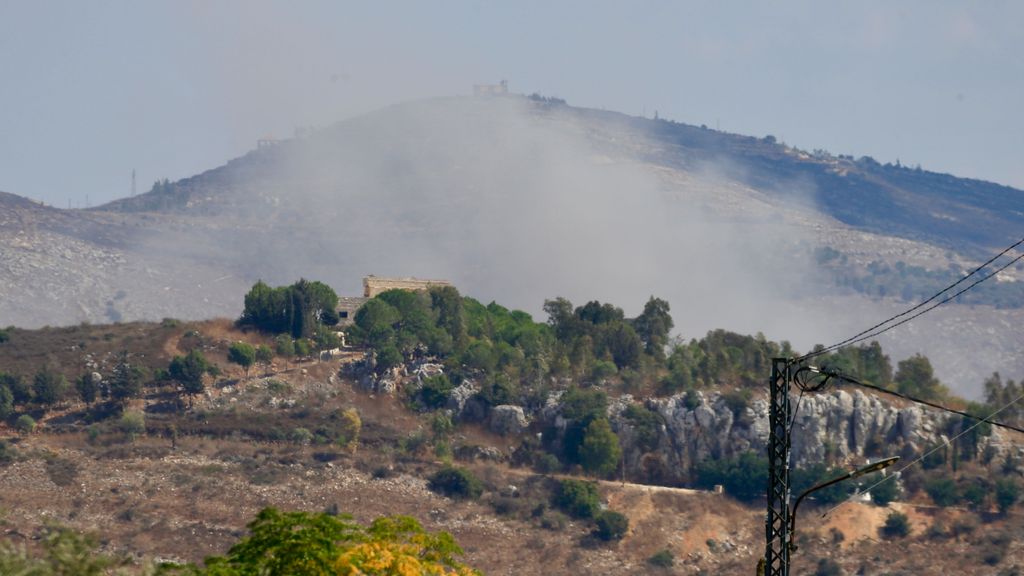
{"x":518,"y":200}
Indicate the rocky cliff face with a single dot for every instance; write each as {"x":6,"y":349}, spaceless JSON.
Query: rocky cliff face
{"x":838,"y":426}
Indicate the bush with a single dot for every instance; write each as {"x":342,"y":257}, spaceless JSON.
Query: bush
{"x":744,"y":477}
{"x":456,"y":482}
{"x":1007,"y":493}
{"x":547,"y":464}
{"x":435,"y":391}
{"x":662,"y":559}
{"x":828,"y":567}
{"x":943,"y":491}
{"x":885,"y":492}
{"x":611,"y":526}
{"x":578,"y":498}
{"x":897,"y":525}
{"x":132,"y":423}
{"x":599,"y":453}
{"x":25,"y":424}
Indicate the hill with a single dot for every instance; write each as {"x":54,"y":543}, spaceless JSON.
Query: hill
{"x":521,"y":199}
{"x":175,"y":483}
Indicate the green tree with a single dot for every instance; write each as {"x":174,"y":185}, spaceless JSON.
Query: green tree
{"x":1007,"y":494}
{"x":188,"y":371}
{"x":6,"y":403}
{"x":600,"y":452}
{"x":897,"y":525}
{"x":20,"y":390}
{"x":578,"y":498}
{"x":611,"y":525}
{"x":64,"y":553}
{"x":243,"y":354}
{"x":456,"y":482}
{"x":915,"y":377}
{"x":284,"y":346}
{"x":125,"y":380}
{"x":943,"y":491}
{"x":886,"y":492}
{"x":48,"y":387}
{"x":87,"y":388}
{"x":653,"y":326}
{"x":745,"y":477}
{"x":264,"y":356}
{"x":324,"y":545}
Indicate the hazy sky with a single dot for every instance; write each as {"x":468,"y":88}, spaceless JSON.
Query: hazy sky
{"x":91,"y":90}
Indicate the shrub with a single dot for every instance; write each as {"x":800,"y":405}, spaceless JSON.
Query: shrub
{"x":435,"y":391}
{"x":828,"y":567}
{"x":555,"y":521}
{"x":547,"y":464}
{"x":896,"y":525}
{"x":885,"y":492}
{"x":1007,"y":493}
{"x":25,"y":424}
{"x":744,"y":477}
{"x":456,"y":482}
{"x":578,"y":498}
{"x":600,"y":452}
{"x":300,"y":435}
{"x":662,"y":559}
{"x":611,"y":526}
{"x":943,"y":491}
{"x":132,"y":423}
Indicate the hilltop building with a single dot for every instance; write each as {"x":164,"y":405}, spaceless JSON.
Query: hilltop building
{"x":374,"y":285}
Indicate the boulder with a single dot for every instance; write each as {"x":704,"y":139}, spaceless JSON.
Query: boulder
{"x":508,"y":420}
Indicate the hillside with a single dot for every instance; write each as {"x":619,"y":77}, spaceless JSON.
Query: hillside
{"x":183,"y":485}
{"x":520,"y":200}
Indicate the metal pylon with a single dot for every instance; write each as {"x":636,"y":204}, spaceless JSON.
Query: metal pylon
{"x":777,"y":525}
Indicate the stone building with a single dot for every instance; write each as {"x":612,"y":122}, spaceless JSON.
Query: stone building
{"x":373,"y":285}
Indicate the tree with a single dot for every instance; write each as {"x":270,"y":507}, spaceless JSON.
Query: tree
{"x":745,"y":477}
{"x":243,"y":354}
{"x":20,"y":390}
{"x":1007,"y":494}
{"x":188,"y":371}
{"x":653,"y":326}
{"x":456,"y":482}
{"x":87,"y":388}
{"x":323,"y":545}
{"x":6,"y":403}
{"x":264,"y":356}
{"x":622,"y":343}
{"x":886,"y":491}
{"x":915,"y":377}
{"x":943,"y":491}
{"x":578,"y":498}
{"x":600,"y":452}
{"x":284,"y":346}
{"x":48,"y":387}
{"x":125,"y":381}
{"x":897,"y":525}
{"x":611,"y":525}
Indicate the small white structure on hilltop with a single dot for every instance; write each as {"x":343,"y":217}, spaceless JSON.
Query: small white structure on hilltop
{"x":500,"y":89}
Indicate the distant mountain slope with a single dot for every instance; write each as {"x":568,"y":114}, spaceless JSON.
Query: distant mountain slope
{"x":957,"y":213}
{"x":519,"y":200}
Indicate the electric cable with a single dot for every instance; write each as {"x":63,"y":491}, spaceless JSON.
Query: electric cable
{"x":861,"y":336}
{"x":928,"y":453}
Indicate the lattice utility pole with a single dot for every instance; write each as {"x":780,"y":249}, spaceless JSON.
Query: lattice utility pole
{"x":777,"y":522}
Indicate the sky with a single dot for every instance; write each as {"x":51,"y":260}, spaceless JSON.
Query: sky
{"x":91,"y":91}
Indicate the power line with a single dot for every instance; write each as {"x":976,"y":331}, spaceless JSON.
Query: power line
{"x":869,"y":333}
{"x":938,"y":406}
{"x":936,"y":448}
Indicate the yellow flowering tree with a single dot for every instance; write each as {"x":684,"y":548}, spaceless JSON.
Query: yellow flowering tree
{"x":304,"y":544}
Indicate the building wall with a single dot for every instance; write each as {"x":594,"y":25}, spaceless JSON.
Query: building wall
{"x":374,"y":285}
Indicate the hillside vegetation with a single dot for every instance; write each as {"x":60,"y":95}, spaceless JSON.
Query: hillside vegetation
{"x":172,"y":438}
